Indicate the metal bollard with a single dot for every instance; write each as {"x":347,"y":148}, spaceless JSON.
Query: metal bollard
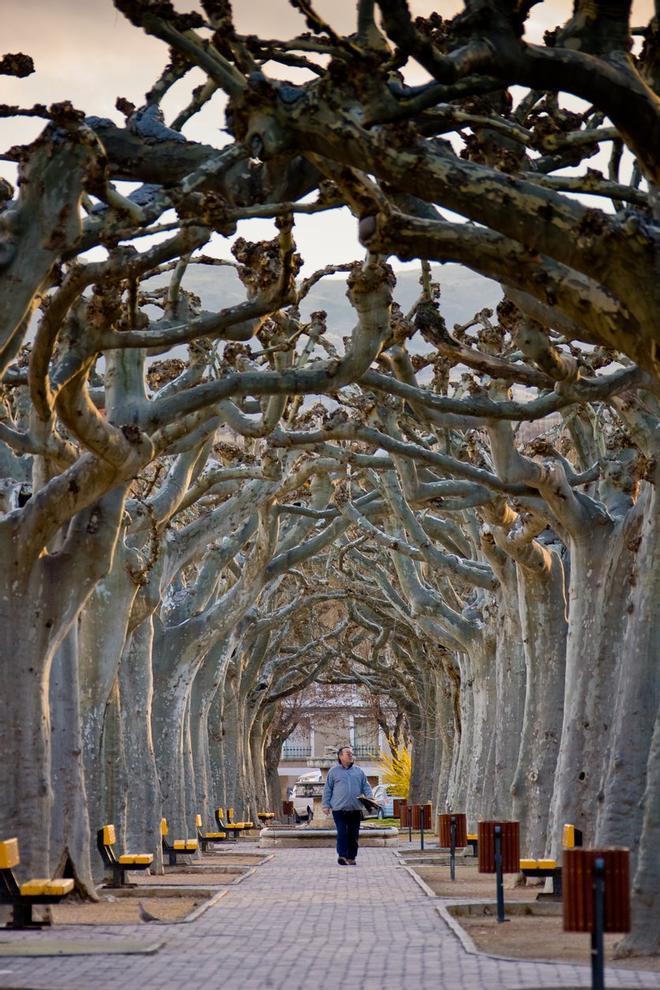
{"x":498,"y":874}
{"x":421,"y":828}
{"x":597,"y":950}
{"x":452,"y":848}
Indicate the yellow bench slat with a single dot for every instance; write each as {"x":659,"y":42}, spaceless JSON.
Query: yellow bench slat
{"x":473,"y":835}
{"x":43,"y":887}
{"x":60,"y":887}
{"x":185,"y":845}
{"x":538,"y":864}
{"x":214,"y":835}
{"x":136,"y":859}
{"x":35,"y":887}
{"x":9,"y":857}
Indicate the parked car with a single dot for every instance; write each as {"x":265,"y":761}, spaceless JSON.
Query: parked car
{"x":386,"y":803}
{"x":300,"y":796}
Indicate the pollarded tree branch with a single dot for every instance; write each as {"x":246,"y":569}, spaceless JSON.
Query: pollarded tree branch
{"x":590,"y":303}
{"x":610,"y":83}
{"x":45,"y":221}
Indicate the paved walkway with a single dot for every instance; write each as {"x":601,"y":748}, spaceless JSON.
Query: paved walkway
{"x":302,"y":920}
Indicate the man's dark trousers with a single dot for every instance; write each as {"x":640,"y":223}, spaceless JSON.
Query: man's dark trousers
{"x":348,"y":829}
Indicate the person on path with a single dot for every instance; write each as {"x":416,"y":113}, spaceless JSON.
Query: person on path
{"x":341,"y":794}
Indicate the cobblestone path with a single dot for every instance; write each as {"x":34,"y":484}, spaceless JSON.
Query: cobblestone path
{"x":301,"y":921}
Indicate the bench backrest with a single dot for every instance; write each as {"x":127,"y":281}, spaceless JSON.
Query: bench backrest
{"x":198,"y":821}
{"x":571,"y":837}
{"x":109,"y":835}
{"x":163,"y":827}
{"x":9,"y":855}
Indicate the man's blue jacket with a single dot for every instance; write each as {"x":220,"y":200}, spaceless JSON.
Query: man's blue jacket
{"x":343,"y":788}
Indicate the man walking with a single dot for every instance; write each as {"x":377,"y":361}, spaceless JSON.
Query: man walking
{"x":341,"y":794}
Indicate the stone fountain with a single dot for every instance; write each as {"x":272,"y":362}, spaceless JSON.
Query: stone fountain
{"x":321,"y":830}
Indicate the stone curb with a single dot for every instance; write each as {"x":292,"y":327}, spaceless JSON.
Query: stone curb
{"x":211,"y":902}
{"x":243,"y":876}
{"x":467,"y":942}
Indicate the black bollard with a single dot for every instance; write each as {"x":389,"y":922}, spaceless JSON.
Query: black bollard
{"x":452,"y":848}
{"x":421,"y":827}
{"x":410,"y":823}
{"x":498,"y":874}
{"x":597,"y":952}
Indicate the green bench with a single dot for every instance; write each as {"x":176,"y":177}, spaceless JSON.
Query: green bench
{"x":119,"y":866}
{"x":22,"y":896}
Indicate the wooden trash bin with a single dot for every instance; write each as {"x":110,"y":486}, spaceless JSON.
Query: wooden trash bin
{"x":428,"y":815}
{"x":578,"y":885}
{"x":421,"y":816}
{"x":444,"y":830}
{"x":397,"y":805}
{"x":287,"y":809}
{"x":510,"y":846}
{"x":404,"y":811}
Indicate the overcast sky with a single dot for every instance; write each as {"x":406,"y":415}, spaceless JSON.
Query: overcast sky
{"x":87,"y":52}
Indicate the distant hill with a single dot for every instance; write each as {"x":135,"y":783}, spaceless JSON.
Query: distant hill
{"x":462,"y":294}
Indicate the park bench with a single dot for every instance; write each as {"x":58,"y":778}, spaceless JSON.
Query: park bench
{"x":265,"y":816}
{"x":179,"y":847}
{"x":571,"y":837}
{"x":232,"y":829}
{"x":534,"y":868}
{"x":230,"y":819}
{"x":206,"y":839}
{"x":119,"y":866}
{"x":473,"y":842}
{"x":21,"y":896}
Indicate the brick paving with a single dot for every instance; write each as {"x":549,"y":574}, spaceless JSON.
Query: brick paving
{"x":301,"y":919}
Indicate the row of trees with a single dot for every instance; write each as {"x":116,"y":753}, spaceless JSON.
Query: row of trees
{"x":187,"y":541}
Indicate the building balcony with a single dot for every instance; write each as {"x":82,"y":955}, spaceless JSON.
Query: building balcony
{"x":300,"y":752}
{"x":366,"y":750}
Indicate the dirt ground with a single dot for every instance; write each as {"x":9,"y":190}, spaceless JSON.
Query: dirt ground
{"x":470,"y":883}
{"x":231,"y":859}
{"x":124,"y":910}
{"x":120,"y":909}
{"x":544,"y":938}
{"x":521,"y":937}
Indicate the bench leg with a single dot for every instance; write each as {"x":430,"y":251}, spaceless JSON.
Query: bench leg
{"x":557,"y":889}
{"x":22,"y":916}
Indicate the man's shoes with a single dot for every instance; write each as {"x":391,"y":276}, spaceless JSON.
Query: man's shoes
{"x":351,"y":862}
{"x":342,"y":861}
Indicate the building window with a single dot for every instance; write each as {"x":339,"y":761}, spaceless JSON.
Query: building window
{"x":365,"y":737}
